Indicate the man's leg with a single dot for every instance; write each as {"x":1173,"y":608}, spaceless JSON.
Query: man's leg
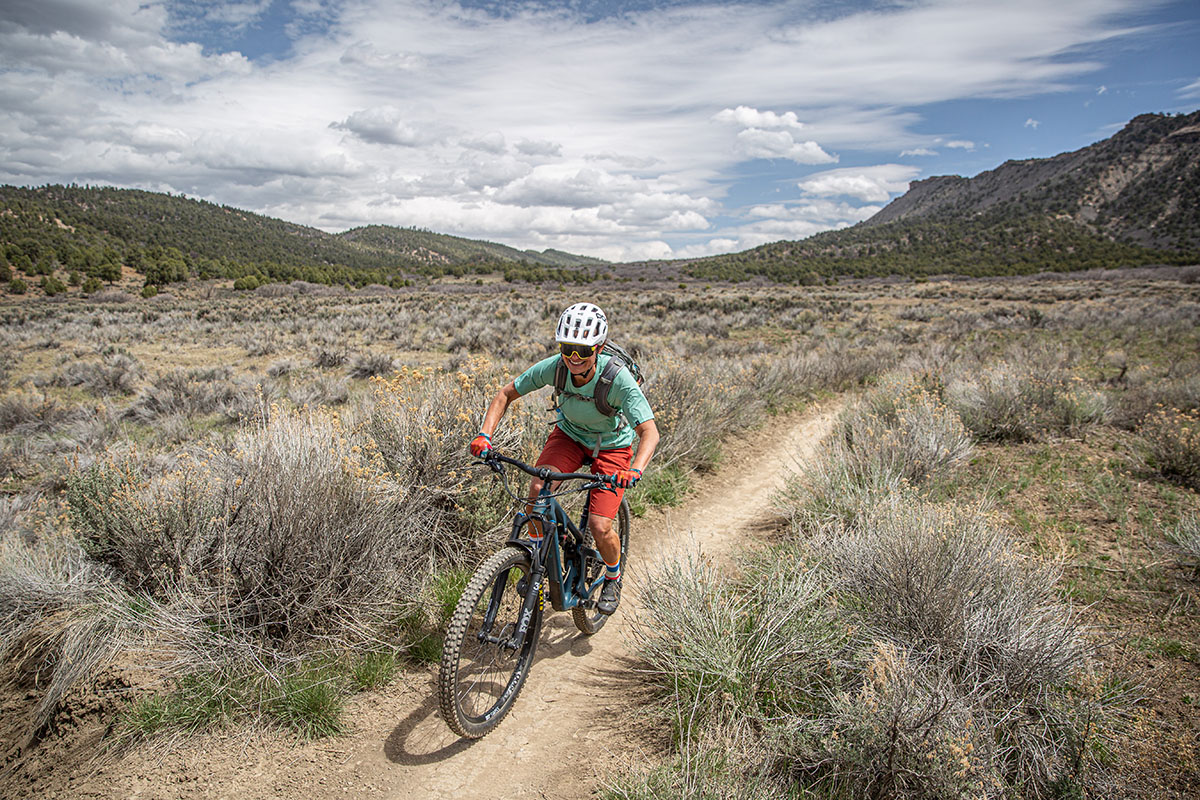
{"x":608,"y":542}
{"x":604,"y":508}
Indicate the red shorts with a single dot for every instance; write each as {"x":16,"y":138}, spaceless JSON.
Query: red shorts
{"x":564,"y":454}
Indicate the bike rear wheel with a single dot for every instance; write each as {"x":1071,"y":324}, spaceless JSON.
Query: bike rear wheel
{"x":482,"y":671}
{"x":587,"y":618}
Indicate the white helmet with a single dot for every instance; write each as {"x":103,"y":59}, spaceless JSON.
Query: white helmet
{"x":582,"y":323}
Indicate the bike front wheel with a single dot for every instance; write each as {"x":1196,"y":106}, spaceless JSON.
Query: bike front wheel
{"x":587,"y":618}
{"x":483,"y":665}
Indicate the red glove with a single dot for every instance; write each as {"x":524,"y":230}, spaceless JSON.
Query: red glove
{"x":481,"y":445}
{"x":626,"y":478}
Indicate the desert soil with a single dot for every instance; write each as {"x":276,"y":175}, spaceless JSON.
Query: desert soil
{"x":576,"y":722}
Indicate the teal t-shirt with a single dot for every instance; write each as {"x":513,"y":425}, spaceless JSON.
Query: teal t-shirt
{"x":578,"y":416}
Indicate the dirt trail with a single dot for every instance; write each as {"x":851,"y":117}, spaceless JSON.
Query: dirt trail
{"x":571,"y":724}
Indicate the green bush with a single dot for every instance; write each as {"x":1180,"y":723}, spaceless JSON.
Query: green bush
{"x":666,"y":486}
{"x":310,"y":701}
{"x":373,"y":670}
{"x":51,"y":285}
{"x":198,"y":702}
{"x":17,"y":286}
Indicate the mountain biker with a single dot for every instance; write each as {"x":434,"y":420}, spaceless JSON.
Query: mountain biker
{"x":581,"y":429}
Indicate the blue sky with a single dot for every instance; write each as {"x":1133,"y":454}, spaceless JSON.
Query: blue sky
{"x":625,"y":129}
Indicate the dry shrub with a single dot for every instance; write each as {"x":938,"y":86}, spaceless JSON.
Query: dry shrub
{"x":372,"y":365}
{"x":904,"y":731}
{"x":26,"y":412}
{"x":970,"y":630}
{"x":295,"y":540}
{"x":835,"y":366}
{"x":321,"y":392}
{"x":1021,"y":399}
{"x":698,"y":402}
{"x":421,"y":423}
{"x":1143,"y":396}
{"x":1001,"y":401}
{"x":946,"y":582}
{"x":1172,"y":440}
{"x":53,"y":620}
{"x":694,"y":403}
{"x":326,"y":357}
{"x":282,"y":368}
{"x":117,"y":373}
{"x":899,"y":438}
{"x":296,"y":535}
{"x":912,"y":653}
{"x":753,"y":645}
{"x":111,"y":296}
{"x":1184,"y":540}
{"x":183,"y":391}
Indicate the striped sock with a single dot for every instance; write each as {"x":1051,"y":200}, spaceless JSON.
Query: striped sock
{"x":612,"y":572}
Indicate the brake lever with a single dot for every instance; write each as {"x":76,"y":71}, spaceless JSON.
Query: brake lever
{"x":601,"y":484}
{"x":495,"y":465}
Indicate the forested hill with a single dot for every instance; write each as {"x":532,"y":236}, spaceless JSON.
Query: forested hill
{"x":171,"y":237}
{"x":1128,"y":200}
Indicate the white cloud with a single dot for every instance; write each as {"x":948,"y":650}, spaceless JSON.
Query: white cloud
{"x":874,"y":184}
{"x":581,"y":188}
{"x":753,"y":118}
{"x":1032,"y":123}
{"x":961,"y":144}
{"x":542,"y":148}
{"x":483,"y":171}
{"x":1102,"y":90}
{"x":757,"y":143}
{"x":919,"y":151}
{"x":236,"y":14}
{"x":388,"y":125}
{"x":712,"y":247}
{"x":532,"y":127}
{"x":491,"y":142}
{"x":1191,"y":90}
{"x":766,"y":134}
{"x":367,"y":55}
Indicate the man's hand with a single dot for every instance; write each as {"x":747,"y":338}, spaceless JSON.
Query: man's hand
{"x":481,"y":445}
{"x":626,"y":478}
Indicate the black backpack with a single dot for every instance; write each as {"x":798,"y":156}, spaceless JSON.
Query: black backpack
{"x":620,"y":358}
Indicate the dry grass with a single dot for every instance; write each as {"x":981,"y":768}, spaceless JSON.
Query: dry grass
{"x":154,"y":387}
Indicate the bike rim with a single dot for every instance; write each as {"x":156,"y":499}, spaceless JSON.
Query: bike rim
{"x":490,"y":673}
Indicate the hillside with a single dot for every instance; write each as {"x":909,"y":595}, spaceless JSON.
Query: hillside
{"x":169,"y":237}
{"x":439,"y":248}
{"x":1128,"y":200}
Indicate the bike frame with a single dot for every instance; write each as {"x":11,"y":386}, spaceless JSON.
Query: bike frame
{"x":546,"y":556}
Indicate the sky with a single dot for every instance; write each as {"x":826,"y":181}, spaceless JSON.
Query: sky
{"x":621,"y":129}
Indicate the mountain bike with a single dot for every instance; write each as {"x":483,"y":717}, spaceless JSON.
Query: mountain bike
{"x":495,"y":627}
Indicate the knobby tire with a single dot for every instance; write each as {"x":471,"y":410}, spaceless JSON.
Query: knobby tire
{"x":479,"y":681}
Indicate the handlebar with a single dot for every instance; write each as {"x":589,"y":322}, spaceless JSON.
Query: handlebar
{"x":494,"y":460}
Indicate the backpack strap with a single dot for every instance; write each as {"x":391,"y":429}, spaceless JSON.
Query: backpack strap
{"x":560,"y":382}
{"x":604,"y":383}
